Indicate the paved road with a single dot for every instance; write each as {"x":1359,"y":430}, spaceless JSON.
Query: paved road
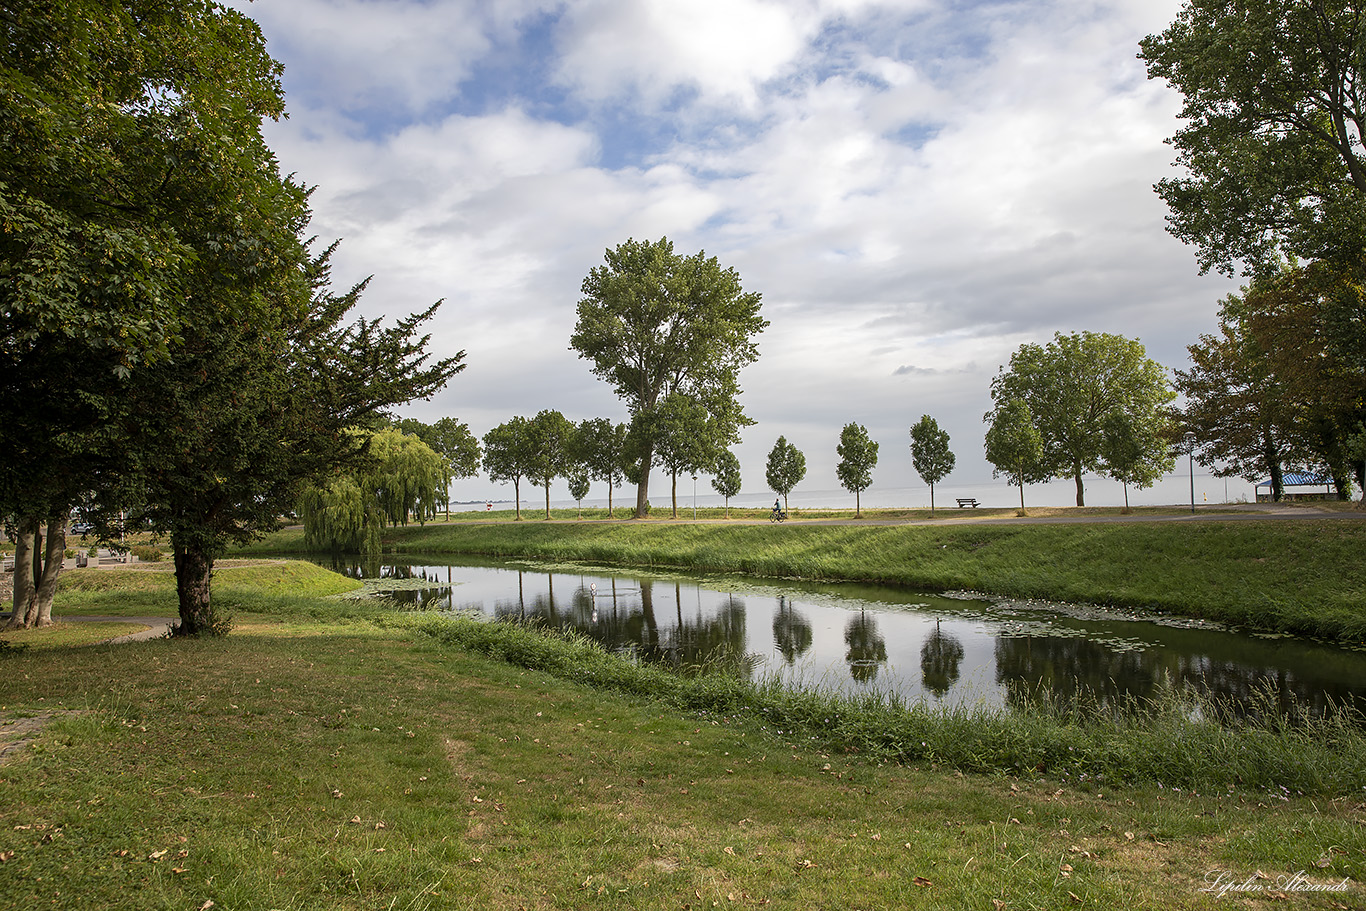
{"x":1233,"y":512}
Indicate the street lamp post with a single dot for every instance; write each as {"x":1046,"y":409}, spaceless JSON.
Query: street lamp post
{"x":1189,"y":440}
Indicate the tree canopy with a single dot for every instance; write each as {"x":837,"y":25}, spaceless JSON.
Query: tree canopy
{"x":507,"y":455}
{"x":151,"y":239}
{"x":655,"y":323}
{"x":1275,"y":112}
{"x":400,"y":478}
{"x":1014,"y":445}
{"x":930,"y":453}
{"x":551,"y":450}
{"x":785,"y":469}
{"x":602,"y":451}
{"x":453,"y":440}
{"x":858,"y":458}
{"x":726,"y":481}
{"x":1070,"y":385}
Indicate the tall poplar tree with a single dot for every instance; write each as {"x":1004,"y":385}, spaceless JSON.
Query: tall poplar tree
{"x":655,"y":323}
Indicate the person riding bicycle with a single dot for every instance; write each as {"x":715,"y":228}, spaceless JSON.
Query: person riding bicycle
{"x":778,"y":510}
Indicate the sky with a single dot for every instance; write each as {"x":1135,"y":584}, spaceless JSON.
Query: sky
{"x":915,"y":187}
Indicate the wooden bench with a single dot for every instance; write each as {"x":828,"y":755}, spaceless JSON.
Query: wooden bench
{"x":968,"y":501}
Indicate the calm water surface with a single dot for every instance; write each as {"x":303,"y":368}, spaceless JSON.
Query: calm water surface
{"x":858,"y":638}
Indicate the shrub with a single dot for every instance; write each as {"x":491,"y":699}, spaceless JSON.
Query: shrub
{"x":147,"y":553}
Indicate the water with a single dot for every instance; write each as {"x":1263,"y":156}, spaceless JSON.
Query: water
{"x":859,"y":638}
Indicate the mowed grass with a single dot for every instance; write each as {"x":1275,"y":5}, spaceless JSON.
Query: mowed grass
{"x":1296,"y":576}
{"x":357,"y":762}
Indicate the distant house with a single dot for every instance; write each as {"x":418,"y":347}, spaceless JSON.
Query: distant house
{"x":1300,"y":485}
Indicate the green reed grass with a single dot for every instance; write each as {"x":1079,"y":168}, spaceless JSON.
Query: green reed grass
{"x":1174,"y":739}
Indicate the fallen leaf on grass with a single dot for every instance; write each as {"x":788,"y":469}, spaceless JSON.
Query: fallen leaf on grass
{"x":1075,"y":897}
{"x":157,"y":855}
{"x":206,"y":906}
{"x":6,"y":855}
{"x":997,"y":904}
{"x":922,"y":881}
{"x":730,"y":850}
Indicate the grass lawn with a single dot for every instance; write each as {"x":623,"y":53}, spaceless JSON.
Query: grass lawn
{"x":330,"y":755}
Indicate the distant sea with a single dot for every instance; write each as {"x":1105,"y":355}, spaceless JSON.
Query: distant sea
{"x":1174,"y":489}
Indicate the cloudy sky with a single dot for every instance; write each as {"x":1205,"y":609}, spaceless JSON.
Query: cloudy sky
{"x":916,"y":187}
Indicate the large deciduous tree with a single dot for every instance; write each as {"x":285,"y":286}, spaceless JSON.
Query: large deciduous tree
{"x":1071,"y":384}
{"x":1275,"y":112}
{"x":930,"y":453}
{"x":858,"y":458}
{"x":1240,"y":413}
{"x":222,"y":435}
{"x":125,"y":129}
{"x":785,"y":469}
{"x":655,"y":323}
{"x":149,"y":237}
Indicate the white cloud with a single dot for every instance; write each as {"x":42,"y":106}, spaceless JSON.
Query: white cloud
{"x":915,"y":189}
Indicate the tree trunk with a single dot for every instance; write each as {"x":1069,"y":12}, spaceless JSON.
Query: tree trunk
{"x":40,"y":614}
{"x":673,"y":492}
{"x":193,"y":572}
{"x":610,"y":478}
{"x":931,"y":499}
{"x":1277,"y":483}
{"x":24,"y":589}
{"x":1081,"y":493}
{"x":858,"y":506}
{"x":1021,"y":477}
{"x":547,"y":499}
{"x":647,"y":458}
{"x":37,"y":553}
{"x":517,"y":495}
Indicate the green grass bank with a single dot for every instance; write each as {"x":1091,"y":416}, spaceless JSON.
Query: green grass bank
{"x":1290,"y":576}
{"x":335,"y":754}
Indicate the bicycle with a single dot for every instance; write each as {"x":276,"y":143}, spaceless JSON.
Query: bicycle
{"x":777,"y":515}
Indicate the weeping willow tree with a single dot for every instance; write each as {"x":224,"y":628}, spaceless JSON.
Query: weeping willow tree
{"x":403,"y":480}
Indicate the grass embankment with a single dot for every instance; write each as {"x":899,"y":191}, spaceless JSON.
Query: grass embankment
{"x":1282,"y":575}
{"x":335,"y":755}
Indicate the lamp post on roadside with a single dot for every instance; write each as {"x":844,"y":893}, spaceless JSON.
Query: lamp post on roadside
{"x":1189,"y":440}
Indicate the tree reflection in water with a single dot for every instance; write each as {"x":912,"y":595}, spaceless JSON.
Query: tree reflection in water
{"x":1096,"y":659}
{"x":940,"y":658}
{"x":791,"y":631}
{"x":1073,"y":669}
{"x":867,"y":649}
